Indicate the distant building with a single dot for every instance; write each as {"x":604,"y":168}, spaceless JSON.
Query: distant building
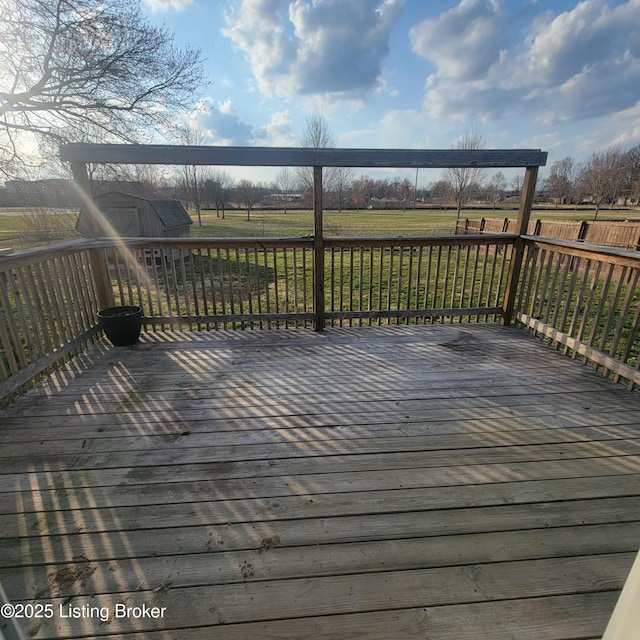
{"x":51,"y":192}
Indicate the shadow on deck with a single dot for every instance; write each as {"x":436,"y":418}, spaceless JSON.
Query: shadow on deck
{"x":455,"y":481}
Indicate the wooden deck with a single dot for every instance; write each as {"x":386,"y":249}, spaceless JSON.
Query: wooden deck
{"x":442,"y":481}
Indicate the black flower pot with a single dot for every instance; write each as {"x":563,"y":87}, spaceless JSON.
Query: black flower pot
{"x":121,"y":324}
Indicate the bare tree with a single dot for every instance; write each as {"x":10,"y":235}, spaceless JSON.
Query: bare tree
{"x":316,"y":135}
{"x":601,"y":174}
{"x":439,"y":190}
{"x":462,"y":179}
{"x":341,"y":183}
{"x":217,"y":189}
{"x":285,"y":181}
{"x":249,"y":193}
{"x":517,"y":182}
{"x":72,"y":67}
{"x":629,"y":187}
{"x":361,"y":190}
{"x":496,"y":188}
{"x":404,"y":191}
{"x":193,"y":176}
{"x":45,"y":225}
{"x":152,"y":178}
{"x":560,"y":181}
{"x":147,"y":179}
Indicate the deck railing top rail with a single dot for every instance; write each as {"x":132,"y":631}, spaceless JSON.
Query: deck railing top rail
{"x":301,"y":157}
{"x":603,"y":253}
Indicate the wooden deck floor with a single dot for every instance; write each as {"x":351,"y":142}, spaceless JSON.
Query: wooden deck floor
{"x":387,"y":483}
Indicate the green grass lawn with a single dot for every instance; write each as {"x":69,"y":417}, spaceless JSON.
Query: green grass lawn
{"x":21,"y":229}
{"x":370,"y":222}
{"x":18,"y":234}
{"x":345,"y":223}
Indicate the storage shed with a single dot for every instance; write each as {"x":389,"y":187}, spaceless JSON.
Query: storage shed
{"x":137,"y":215}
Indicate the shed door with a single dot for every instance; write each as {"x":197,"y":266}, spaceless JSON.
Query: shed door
{"x":125,"y":221}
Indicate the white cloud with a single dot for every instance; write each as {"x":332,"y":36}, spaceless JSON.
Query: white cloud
{"x":314,"y":47}
{"x":225,"y":107}
{"x":278,"y":132}
{"x":167,"y":5}
{"x":463,"y":42}
{"x":580,"y":64}
{"x":396,"y":128}
{"x":221,"y":125}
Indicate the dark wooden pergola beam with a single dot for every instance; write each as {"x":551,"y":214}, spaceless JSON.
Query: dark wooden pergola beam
{"x":301,"y":157}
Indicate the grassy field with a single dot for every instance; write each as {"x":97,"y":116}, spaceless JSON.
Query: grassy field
{"x":346,"y":223}
{"x":17,"y":232}
{"x":369,"y":222}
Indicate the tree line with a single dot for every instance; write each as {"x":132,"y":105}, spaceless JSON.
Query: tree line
{"x":610,"y":175}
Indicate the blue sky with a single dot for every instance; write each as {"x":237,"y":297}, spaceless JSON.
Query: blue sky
{"x":559,"y":75}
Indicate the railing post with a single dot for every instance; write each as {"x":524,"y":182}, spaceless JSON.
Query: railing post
{"x":318,"y":251}
{"x":517,"y":254}
{"x":97,"y":257}
{"x":102,"y":280}
{"x":584,"y":227}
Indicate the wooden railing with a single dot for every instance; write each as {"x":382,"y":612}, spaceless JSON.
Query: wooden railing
{"x":624,"y":234}
{"x":402,"y":280}
{"x":49,"y":297}
{"x":48,"y":307}
{"x":214,"y":283}
{"x":227,"y":283}
{"x":584,"y":299}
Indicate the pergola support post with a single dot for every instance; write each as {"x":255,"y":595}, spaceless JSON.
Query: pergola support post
{"x":517,"y":252}
{"x":318,"y":251}
{"x":97,"y":257}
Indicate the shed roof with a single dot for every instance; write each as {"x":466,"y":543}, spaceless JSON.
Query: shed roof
{"x":171,"y":212}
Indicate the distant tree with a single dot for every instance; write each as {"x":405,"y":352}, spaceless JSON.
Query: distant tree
{"x":316,"y":135}
{"x":341,"y":185}
{"x":560,"y":181}
{"x":361,"y":191}
{"x":517,"y":182}
{"x":217,"y":189}
{"x":250,"y":193}
{"x":601,"y":174}
{"x":381,"y":188}
{"x":73,"y":68}
{"x":461,"y":180}
{"x":152,"y":178}
{"x":578,"y":187}
{"x":404,"y":191}
{"x":286,"y":182}
{"x":496,"y":187}
{"x":439,"y":190}
{"x":44,"y":226}
{"x":193,"y":176}
{"x":629,"y":187}
{"x":148,"y":178}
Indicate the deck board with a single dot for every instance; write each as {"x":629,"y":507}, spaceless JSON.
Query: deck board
{"x":455,"y":481}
